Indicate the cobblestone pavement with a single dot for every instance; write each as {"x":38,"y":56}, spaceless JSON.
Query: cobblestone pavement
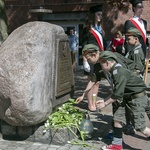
{"x":101,"y":123}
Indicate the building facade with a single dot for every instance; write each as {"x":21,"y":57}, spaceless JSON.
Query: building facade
{"x":70,"y":14}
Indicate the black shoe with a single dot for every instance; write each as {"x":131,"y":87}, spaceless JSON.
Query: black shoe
{"x":110,"y":135}
{"x":129,"y":129}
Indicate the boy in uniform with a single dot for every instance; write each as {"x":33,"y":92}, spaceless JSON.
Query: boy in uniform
{"x":133,"y":36}
{"x":136,"y":53}
{"x":126,"y":83}
{"x":94,"y":51}
{"x":95,"y":76}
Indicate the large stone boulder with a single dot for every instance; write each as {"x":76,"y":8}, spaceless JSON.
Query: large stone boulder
{"x":26,"y":68}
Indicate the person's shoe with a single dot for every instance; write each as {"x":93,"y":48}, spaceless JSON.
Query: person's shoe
{"x":112,"y":147}
{"x":110,"y":136}
{"x":129,"y":130}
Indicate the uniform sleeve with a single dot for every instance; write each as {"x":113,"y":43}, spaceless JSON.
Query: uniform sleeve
{"x":138,"y":60}
{"x":119,"y":81}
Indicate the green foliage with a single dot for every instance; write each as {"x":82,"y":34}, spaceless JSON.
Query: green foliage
{"x":66,"y":116}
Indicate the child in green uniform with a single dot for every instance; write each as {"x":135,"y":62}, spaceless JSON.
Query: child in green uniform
{"x":135,"y":53}
{"x":126,"y":83}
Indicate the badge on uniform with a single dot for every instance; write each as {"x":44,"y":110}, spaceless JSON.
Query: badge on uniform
{"x":136,"y":51}
{"x":115,"y":72}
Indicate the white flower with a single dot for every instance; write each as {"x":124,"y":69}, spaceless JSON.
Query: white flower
{"x":67,"y":112}
{"x":68,"y":142}
{"x":44,"y":131}
{"x":60,"y":108}
{"x":46,"y":125}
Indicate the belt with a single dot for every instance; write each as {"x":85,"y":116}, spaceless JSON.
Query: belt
{"x":138,"y":95}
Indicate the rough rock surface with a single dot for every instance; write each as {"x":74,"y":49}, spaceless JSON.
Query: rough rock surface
{"x":26,"y":59}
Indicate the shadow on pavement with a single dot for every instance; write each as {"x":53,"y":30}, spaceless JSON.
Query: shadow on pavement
{"x":127,"y":147}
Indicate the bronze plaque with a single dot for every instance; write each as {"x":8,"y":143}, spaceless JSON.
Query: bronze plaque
{"x":65,"y":81}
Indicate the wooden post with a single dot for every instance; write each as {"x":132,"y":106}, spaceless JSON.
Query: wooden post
{"x":146,"y":68}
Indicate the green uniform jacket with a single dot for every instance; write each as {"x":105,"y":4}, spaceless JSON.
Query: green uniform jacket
{"x":125,"y":62}
{"x":136,"y":54}
{"x":125,"y":82}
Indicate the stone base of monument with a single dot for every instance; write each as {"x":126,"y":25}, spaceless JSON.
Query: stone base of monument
{"x":52,"y":136}
{"x":35,"y":134}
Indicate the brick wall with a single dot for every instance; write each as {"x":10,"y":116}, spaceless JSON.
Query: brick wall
{"x":146,"y":13}
{"x":113,"y":19}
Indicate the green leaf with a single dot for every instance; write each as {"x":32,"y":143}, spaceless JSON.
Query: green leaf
{"x":66,"y":115}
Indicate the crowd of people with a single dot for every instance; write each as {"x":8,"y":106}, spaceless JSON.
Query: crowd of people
{"x":123,"y":66}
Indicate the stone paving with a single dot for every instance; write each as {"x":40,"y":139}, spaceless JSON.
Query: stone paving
{"x":101,"y":123}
